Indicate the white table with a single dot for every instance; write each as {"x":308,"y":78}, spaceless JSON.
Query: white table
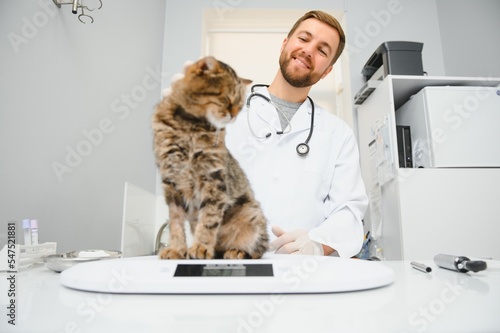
{"x":440,"y":301}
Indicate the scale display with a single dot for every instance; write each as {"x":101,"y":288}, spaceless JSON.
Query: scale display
{"x":184,"y":270}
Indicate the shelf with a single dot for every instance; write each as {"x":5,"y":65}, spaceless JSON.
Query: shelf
{"x":405,"y":86}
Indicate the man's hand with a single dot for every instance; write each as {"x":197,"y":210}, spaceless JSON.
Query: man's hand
{"x":294,"y":242}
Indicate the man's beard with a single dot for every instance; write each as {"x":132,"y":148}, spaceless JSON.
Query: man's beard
{"x":294,"y":79}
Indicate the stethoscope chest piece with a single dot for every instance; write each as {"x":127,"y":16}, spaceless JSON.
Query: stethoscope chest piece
{"x":302,"y":149}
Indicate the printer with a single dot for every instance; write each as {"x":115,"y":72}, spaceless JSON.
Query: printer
{"x":396,"y":58}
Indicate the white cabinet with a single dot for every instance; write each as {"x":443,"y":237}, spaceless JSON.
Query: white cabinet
{"x":428,"y":211}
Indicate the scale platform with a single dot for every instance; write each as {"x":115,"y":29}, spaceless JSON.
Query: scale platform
{"x":273,"y":274}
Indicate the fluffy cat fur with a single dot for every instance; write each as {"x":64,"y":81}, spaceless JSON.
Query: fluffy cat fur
{"x":202,"y":182}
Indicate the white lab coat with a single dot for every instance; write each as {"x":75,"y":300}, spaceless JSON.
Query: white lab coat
{"x":322,"y":192}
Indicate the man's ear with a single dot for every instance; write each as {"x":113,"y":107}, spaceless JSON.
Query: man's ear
{"x":327,"y":71}
{"x":283,"y":44}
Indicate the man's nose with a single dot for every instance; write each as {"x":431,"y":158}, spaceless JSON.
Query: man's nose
{"x":308,"y":49}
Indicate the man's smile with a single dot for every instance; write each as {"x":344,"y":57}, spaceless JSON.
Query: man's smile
{"x":303,"y":61}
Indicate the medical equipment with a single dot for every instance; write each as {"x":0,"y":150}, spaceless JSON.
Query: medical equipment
{"x":60,"y":262}
{"x":302,"y":148}
{"x":27,"y":231}
{"x":421,"y":267}
{"x":75,"y":5}
{"x":459,"y":263}
{"x":273,"y":274}
{"x":30,"y":232}
{"x":34,"y":232}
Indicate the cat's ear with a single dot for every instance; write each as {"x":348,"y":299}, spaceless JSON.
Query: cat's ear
{"x":246,"y":82}
{"x":206,"y":64}
{"x":210,"y":63}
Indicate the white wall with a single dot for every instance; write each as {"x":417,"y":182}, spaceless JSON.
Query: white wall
{"x":469,"y":31}
{"x":371,"y":24}
{"x":88,"y":88}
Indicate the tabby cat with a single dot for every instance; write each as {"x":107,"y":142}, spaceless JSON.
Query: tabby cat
{"x":202,"y":182}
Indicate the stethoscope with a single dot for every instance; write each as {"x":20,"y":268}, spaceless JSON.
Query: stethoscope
{"x":302,"y":148}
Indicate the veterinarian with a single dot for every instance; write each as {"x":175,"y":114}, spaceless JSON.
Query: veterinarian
{"x":301,"y":160}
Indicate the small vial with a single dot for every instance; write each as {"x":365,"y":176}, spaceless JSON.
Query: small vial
{"x":34,"y":232}
{"x":27,"y":232}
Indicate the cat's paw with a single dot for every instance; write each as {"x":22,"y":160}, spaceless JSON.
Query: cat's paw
{"x":169,"y":253}
{"x":200,"y":251}
{"x":235,"y":254}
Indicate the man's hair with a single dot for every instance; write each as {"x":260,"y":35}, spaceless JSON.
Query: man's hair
{"x":325,"y":18}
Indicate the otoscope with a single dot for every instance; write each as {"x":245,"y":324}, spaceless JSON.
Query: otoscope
{"x":459,"y":263}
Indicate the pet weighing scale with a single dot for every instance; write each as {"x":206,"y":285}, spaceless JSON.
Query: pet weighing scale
{"x":272,"y":274}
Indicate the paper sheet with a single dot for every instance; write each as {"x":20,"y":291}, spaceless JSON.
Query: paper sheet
{"x":382,"y":170}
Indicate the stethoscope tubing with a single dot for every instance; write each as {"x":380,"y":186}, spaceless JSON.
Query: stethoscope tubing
{"x":302,"y":148}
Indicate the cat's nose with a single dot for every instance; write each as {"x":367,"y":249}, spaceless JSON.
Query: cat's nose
{"x":234,"y":110}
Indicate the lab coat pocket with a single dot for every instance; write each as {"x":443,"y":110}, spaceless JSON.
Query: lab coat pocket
{"x":315,"y":165}
{"x":317,"y":160}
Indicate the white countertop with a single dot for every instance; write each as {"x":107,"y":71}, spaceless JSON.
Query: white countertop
{"x":440,"y":301}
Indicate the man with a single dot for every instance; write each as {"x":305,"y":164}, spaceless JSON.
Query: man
{"x":314,"y":200}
